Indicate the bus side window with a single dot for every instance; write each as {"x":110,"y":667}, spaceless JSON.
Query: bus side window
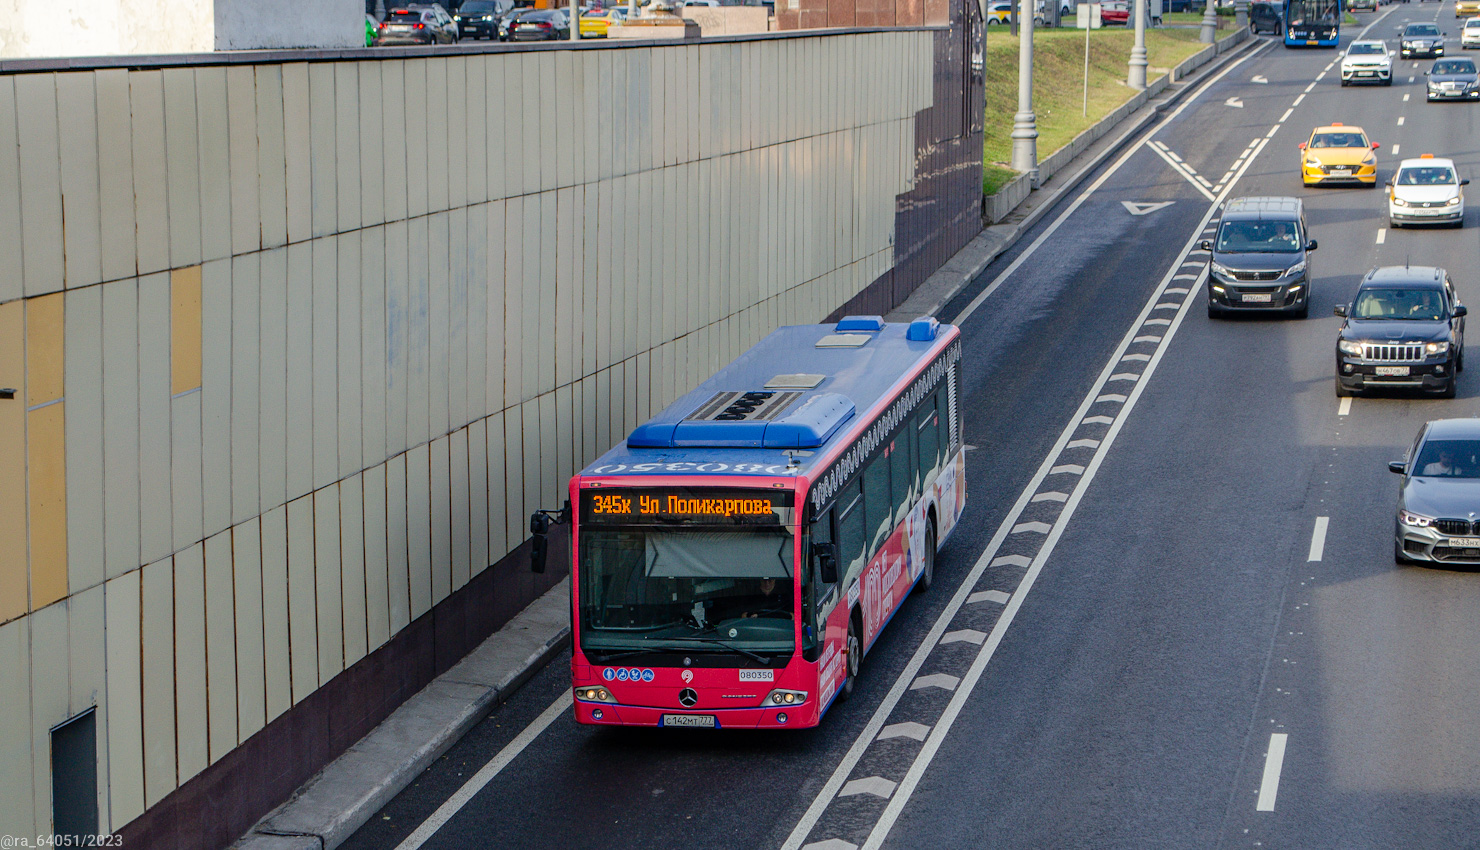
{"x":902,"y":473}
{"x":928,"y":430}
{"x":822,"y":596}
{"x":878,"y":501}
{"x":852,"y":545}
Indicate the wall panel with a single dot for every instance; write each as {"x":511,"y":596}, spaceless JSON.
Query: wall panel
{"x":251,"y":677}
{"x":84,"y":437}
{"x":17,"y":801}
{"x":352,"y":556}
{"x":41,"y":197}
{"x":220,"y":644}
{"x":192,"y":712}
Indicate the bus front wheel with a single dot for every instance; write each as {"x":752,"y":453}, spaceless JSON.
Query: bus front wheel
{"x":853,"y":657}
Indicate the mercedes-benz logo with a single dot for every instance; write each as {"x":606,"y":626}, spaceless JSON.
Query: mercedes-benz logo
{"x":687,"y":698}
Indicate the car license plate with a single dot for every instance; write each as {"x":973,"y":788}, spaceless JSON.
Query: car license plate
{"x":1465,"y":542}
{"x":1256,"y":297}
{"x":1341,"y":172}
{"x":1392,"y":371}
{"x":705,"y":721}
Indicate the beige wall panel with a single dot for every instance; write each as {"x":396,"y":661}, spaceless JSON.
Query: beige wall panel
{"x":616,"y":139}
{"x":182,"y":166}
{"x":546,"y":164}
{"x":587,"y":285}
{"x":377,"y":590}
{"x":497,"y":80}
{"x":536,"y":477}
{"x":394,"y":174}
{"x":84,"y":436}
{"x":185,"y":470}
{"x":272,"y":159}
{"x":246,"y":578}
{"x":525,"y":149}
{"x":41,"y":195}
{"x":77,"y":117}
{"x":397,"y":327}
{"x":326,"y":361}
{"x":214,"y":356}
{"x":460,"y":524}
{"x":498,"y":527}
{"x":600,"y":103}
{"x":17,"y":802}
{"x":418,"y":334}
{"x":567,"y":219}
{"x":372,"y":144}
{"x":477,"y":287}
{"x":476,"y":106}
{"x":565,"y":441}
{"x":456,"y":354}
{"x":121,"y":427}
{"x":191,"y":709}
{"x":347,"y":145}
{"x":158,"y":646}
{"x":300,"y":368}
{"x":439,"y":284}
{"x":497,"y":280}
{"x":156,"y":537}
{"x":515,"y":517}
{"x":419,"y":528}
{"x":435,"y":102}
{"x":478,"y":558}
{"x":272,"y":382}
{"x":329,"y":579}
{"x":215,"y":164}
{"x":11,"y":276}
{"x":398,"y":566}
{"x":561,"y":121}
{"x":440,"y":489}
{"x":123,"y":733}
{"x":241,"y":123}
{"x":454,"y":96}
{"x":513,"y":317}
{"x":608,"y":262}
{"x":220,"y":645}
{"x":347,"y":336}
{"x":373,"y":376}
{"x":297,"y":150}
{"x":49,"y":658}
{"x":415,"y":106}
{"x":352,"y":575}
{"x":544,"y":293}
{"x":303,"y":627}
{"x":115,"y":173}
{"x":277,"y":613}
{"x":588,"y":422}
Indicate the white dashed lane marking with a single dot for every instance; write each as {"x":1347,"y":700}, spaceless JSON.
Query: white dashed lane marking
{"x":1381,"y":235}
{"x":1395,"y":150}
{"x":1400,"y":120}
{"x":1318,"y":539}
{"x":1274,"y":762}
{"x":1345,"y":407}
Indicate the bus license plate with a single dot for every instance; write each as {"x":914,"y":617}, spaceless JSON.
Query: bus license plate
{"x":1465,"y":542}
{"x":1392,"y":371}
{"x":705,"y":721}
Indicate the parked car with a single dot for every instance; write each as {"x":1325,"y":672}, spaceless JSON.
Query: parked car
{"x":1404,"y":329}
{"x":1115,"y":12}
{"x":540,"y":25}
{"x":479,"y":18}
{"x":1265,"y":17}
{"x":417,"y":25}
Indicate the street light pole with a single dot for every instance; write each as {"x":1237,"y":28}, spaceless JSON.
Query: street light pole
{"x":1137,"y":77}
{"x":1209,"y":25}
{"x":1025,"y":123}
{"x":575,"y":20}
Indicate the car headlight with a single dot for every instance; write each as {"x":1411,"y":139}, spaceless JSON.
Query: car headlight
{"x":1415,"y":520}
{"x":1348,"y":347}
{"x":1451,"y":202}
{"x":1312,"y":162}
{"x":1399,"y":202}
{"x":1436,"y":348}
{"x":1219,"y":269}
{"x":1297,"y":269}
{"x":1369,"y":159}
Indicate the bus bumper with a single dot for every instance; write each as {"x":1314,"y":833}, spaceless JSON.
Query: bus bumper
{"x":788,"y":717}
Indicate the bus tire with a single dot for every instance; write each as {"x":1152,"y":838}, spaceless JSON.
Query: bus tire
{"x":853,"y":656}
{"x":927,"y":572}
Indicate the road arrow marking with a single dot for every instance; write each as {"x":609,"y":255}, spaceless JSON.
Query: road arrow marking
{"x":1135,"y":208}
{"x":1259,"y":78}
{"x":996,"y":596}
{"x":944,"y":681}
{"x":907,"y":729}
{"x":875,"y":785}
{"x":1236,"y":103}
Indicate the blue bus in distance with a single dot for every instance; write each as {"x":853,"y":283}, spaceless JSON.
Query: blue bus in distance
{"x":1312,"y":23}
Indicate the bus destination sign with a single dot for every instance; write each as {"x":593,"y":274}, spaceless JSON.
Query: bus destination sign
{"x":685,"y":506}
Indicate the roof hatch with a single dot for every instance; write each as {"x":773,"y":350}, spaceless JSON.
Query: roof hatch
{"x":754,"y":419}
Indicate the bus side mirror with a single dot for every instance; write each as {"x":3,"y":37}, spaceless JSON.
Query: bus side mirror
{"x":539,"y":527}
{"x":827,"y":561}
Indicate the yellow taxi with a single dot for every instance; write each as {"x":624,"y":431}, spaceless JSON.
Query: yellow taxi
{"x":1338,"y":153}
{"x":595,"y":22}
{"x":1466,"y":8}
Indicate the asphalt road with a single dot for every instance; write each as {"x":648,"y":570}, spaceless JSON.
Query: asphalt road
{"x":1189,"y":534}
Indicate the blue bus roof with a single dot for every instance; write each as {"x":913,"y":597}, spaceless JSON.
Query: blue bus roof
{"x":803,"y":387}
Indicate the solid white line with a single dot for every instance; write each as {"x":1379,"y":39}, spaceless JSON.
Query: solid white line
{"x":1381,"y":235}
{"x":1063,"y":217}
{"x":1345,"y":407}
{"x":480,"y":779}
{"x":1274,"y":761}
{"x":1184,"y":170}
{"x":1318,"y":539}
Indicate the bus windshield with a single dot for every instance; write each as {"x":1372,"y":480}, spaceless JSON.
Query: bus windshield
{"x":1317,"y":12}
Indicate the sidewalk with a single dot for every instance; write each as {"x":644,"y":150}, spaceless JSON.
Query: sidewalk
{"x":329,"y":808}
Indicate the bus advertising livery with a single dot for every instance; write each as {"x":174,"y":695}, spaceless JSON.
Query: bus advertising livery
{"x":737,"y":555}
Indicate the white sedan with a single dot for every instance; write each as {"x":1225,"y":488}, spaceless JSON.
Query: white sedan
{"x":1426,"y":190}
{"x":1367,"y":62}
{"x":1470,"y":35}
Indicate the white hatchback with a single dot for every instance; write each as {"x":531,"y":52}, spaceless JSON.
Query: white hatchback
{"x":1426,"y":190}
{"x":1470,"y":35}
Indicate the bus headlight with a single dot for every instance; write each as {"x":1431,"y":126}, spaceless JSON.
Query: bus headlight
{"x":595,"y":694}
{"x":784,"y":697}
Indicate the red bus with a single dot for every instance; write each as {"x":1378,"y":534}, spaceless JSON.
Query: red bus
{"x":735,"y":558}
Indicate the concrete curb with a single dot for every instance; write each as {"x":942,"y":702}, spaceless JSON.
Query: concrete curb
{"x":968,"y":263}
{"x":330,"y":807}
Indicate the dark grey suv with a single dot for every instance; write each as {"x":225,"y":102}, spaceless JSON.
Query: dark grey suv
{"x":1405,"y":329}
{"x":1260,"y":258}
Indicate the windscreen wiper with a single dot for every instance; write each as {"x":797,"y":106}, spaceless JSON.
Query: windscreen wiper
{"x":630,"y":653}
{"x":760,"y":659}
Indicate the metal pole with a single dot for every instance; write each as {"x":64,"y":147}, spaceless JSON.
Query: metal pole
{"x":1241,"y":14}
{"x":575,"y":20}
{"x":1137,"y":77}
{"x":1209,"y":24}
{"x":1025,"y":123}
{"x":1086,"y":61}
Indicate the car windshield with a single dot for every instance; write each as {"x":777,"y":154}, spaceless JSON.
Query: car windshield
{"x":1427,"y":175}
{"x":1364,"y":48}
{"x":1421,"y":29}
{"x":1338,"y":140}
{"x":1449,"y":458}
{"x":1399,"y":304}
{"x":1454,"y":66}
{"x":478,"y":7}
{"x":1250,"y":237}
